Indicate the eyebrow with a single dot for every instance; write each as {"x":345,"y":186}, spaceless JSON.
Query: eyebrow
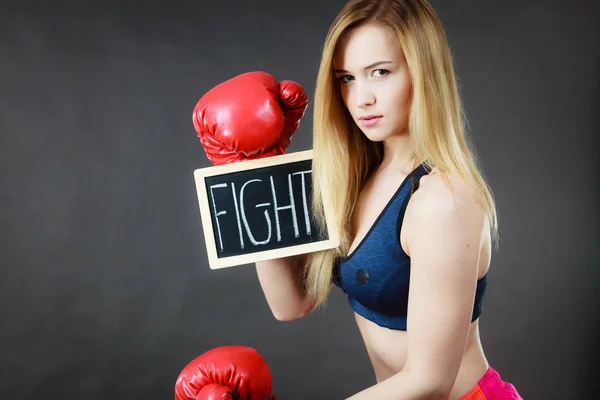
{"x":376,"y":64}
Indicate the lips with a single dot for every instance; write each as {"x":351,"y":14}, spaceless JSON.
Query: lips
{"x":370,"y":120}
{"x":368,"y":117}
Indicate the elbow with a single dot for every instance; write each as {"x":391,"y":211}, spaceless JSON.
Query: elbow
{"x":437,"y":391}
{"x":290,"y":314}
{"x":287,"y":317}
{"x":433,"y":389}
{"x":430,"y":391}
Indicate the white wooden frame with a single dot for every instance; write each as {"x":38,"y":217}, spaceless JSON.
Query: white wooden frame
{"x":214,"y":261}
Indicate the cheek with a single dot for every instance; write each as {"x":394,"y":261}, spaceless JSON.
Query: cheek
{"x":402,"y":94}
{"x":346,"y":95}
{"x":402,"y":99}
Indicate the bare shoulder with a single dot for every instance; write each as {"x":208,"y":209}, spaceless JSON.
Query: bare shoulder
{"x":448,"y":193}
{"x":445,"y":205}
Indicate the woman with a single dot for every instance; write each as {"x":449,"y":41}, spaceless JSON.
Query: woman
{"x":411,"y":207}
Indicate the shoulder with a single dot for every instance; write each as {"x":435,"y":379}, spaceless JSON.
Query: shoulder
{"x":445,"y":195}
{"x":444,"y":206}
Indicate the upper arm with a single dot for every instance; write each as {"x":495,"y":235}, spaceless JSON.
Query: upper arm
{"x":443,"y":236}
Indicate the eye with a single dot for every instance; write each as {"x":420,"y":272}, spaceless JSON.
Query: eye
{"x":345,"y":78}
{"x":381,"y":72}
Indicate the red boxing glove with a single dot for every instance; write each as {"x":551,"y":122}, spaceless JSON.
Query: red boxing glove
{"x":225,"y":373}
{"x":248,"y":116}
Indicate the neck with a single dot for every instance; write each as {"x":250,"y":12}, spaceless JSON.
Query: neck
{"x":398,"y":153}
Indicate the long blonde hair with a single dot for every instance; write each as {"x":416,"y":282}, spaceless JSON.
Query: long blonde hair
{"x":344,"y":158}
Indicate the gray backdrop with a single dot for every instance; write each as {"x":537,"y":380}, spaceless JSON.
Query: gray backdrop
{"x":105,"y":292}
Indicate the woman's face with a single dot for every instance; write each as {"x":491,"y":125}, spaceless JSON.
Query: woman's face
{"x":374,"y":80}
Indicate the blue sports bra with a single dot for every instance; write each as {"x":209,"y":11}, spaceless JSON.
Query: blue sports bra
{"x":376,"y":275}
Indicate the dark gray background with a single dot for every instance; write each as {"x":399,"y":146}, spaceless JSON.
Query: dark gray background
{"x":105,"y":292}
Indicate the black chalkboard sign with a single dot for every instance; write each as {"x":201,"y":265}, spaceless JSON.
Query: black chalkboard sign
{"x":259,"y":209}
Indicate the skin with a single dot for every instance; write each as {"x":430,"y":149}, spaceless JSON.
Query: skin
{"x":444,"y":232}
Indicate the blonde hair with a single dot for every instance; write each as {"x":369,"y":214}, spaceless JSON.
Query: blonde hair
{"x":344,"y":158}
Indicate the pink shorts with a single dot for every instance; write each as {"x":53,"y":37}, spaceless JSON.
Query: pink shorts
{"x":492,"y":387}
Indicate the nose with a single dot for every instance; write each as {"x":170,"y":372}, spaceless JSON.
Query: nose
{"x":364,"y":96}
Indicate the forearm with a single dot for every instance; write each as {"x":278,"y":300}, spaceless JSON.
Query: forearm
{"x":283,"y":286}
{"x":404,"y":386}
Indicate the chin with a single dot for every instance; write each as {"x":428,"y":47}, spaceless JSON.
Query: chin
{"x":375,"y":136}
{"x":375,"y":139}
